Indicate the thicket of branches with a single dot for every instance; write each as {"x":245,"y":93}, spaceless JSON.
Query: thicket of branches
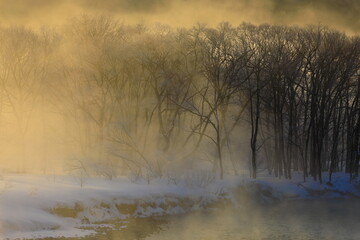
{"x":149,"y":101}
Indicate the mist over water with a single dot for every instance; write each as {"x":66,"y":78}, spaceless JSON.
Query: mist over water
{"x":298,"y":220}
{"x":293,"y":220}
{"x":187,"y":92}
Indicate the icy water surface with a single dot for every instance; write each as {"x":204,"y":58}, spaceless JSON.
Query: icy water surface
{"x":305,"y":219}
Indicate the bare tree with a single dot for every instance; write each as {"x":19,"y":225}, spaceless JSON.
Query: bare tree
{"x":24,"y":61}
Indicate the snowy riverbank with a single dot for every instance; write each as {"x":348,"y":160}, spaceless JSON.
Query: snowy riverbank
{"x":34,"y":206}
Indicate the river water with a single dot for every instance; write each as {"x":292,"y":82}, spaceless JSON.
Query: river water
{"x":298,"y":220}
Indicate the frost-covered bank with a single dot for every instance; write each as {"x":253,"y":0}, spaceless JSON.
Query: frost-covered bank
{"x":47,"y":206}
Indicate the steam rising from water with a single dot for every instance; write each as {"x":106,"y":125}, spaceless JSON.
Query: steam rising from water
{"x":49,"y":136}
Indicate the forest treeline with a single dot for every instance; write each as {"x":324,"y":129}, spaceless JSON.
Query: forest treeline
{"x":155,"y":101}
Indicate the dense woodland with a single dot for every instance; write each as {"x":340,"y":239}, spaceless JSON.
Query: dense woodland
{"x":155,"y":102}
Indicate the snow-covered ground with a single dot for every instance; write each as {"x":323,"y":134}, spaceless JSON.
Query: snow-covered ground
{"x":33,"y":206}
